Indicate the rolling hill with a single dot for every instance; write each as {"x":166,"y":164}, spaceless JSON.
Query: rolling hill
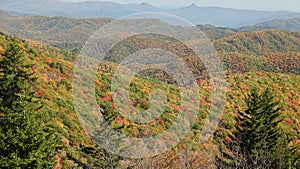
{"x":70,"y":34}
{"x":214,"y":33}
{"x":292,"y":24}
{"x":254,"y":58}
{"x":54,"y":69}
{"x":223,"y":17}
{"x":261,"y":42}
{"x":57,"y":31}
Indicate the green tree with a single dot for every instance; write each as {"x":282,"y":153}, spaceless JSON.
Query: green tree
{"x":255,"y":141}
{"x":24,"y":142}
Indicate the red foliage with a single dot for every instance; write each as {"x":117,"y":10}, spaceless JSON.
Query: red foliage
{"x":133,"y":102}
{"x":143,"y":100}
{"x":228,"y":139}
{"x":289,"y":122}
{"x":106,"y":98}
{"x":175,"y":107}
{"x":119,"y":119}
{"x":114,"y":105}
{"x":202,"y":103}
{"x":39,"y":93}
{"x":294,"y":140}
{"x":33,"y":68}
{"x":201,"y":82}
{"x":239,"y":122}
{"x":76,"y":144}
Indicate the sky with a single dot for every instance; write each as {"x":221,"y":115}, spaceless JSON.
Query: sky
{"x":270,"y":5}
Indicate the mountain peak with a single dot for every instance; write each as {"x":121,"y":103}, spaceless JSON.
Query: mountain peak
{"x":193,"y":5}
{"x":145,"y":3}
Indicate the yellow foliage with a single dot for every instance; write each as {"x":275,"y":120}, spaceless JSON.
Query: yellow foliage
{"x":60,"y":124}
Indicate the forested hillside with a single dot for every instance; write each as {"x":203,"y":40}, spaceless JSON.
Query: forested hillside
{"x":292,"y":24}
{"x":61,"y":32}
{"x":259,"y":59}
{"x":267,"y":50}
{"x":259,"y":43}
{"x":70,"y":34}
{"x":53,"y":86}
{"x":37,"y":59}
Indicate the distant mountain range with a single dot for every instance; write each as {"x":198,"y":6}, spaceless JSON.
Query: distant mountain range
{"x":282,"y":24}
{"x":71,"y":33}
{"x":58,"y":31}
{"x":215,"y":33}
{"x":223,"y":17}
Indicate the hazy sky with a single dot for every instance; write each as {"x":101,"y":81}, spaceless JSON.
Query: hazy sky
{"x":292,"y":5}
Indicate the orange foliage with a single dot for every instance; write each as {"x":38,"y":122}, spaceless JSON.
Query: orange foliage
{"x":1,"y":50}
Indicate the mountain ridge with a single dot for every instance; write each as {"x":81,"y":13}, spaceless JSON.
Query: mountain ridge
{"x":224,"y":17}
{"x":292,"y":24}
{"x":70,"y":34}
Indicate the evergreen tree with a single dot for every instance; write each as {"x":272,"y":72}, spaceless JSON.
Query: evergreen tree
{"x":23,"y":140}
{"x":254,"y":142}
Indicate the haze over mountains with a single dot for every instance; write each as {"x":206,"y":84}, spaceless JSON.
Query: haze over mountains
{"x":71,"y":33}
{"x":223,"y":17}
{"x":282,"y":24}
{"x":42,"y":38}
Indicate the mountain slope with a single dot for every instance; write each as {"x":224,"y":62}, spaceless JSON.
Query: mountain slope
{"x":70,"y":34}
{"x":224,"y":17}
{"x":54,"y":68}
{"x":214,"y":33}
{"x":281,"y":24}
{"x":57,"y":31}
{"x":261,"y":42}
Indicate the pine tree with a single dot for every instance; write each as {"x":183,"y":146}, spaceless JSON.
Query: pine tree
{"x":23,"y":140}
{"x":254,"y":142}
